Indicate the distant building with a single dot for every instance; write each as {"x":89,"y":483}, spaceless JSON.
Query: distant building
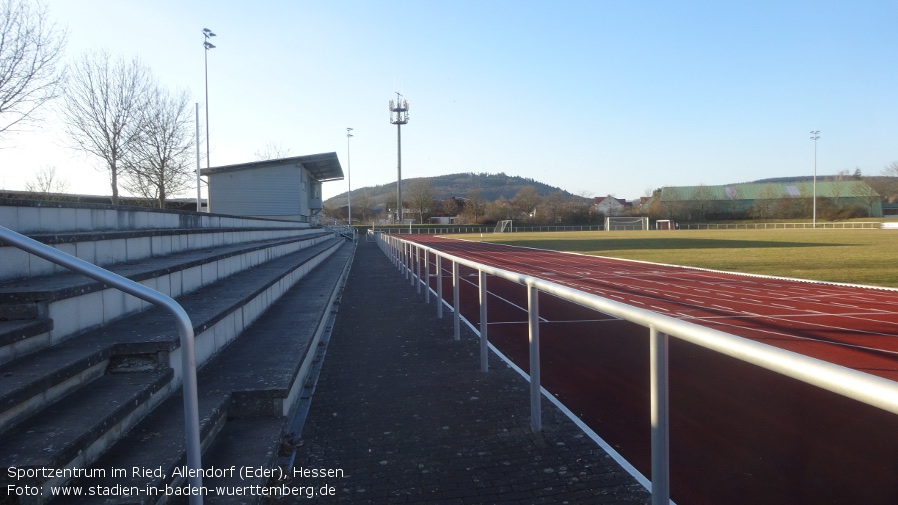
{"x":765,"y":200}
{"x":610,"y":206}
{"x":286,"y":188}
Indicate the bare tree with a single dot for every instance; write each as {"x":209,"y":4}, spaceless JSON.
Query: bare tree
{"x":272,"y":151}
{"x":526,"y":200}
{"x":159,"y":163}
{"x":421,"y":198}
{"x":474,"y":205}
{"x":102,"y":110}
{"x":554,"y":204}
{"x":30,"y":49}
{"x":362,"y":204}
{"x":889,"y":186}
{"x":891,"y":170}
{"x":765,"y":201}
{"x":45,"y":182}
{"x":868,"y":195}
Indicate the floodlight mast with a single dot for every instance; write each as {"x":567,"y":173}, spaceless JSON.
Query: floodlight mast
{"x":207,"y":34}
{"x":399,"y":117}
{"x":348,"y":177}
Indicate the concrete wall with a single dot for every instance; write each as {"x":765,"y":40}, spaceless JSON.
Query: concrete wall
{"x":39,"y":217}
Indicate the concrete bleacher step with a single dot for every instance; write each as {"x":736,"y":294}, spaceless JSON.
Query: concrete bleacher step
{"x":29,"y":382}
{"x":16,"y":330}
{"x":73,"y":300}
{"x":64,"y":431}
{"x":34,"y":385}
{"x":109,"y":247}
{"x":247,"y":395}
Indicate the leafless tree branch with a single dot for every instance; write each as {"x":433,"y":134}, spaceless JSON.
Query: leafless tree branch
{"x":159,"y":165}
{"x":30,"y":49}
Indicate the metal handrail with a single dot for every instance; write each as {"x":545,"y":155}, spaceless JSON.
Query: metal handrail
{"x":185,"y":328}
{"x":866,"y":388}
{"x":341,"y":228}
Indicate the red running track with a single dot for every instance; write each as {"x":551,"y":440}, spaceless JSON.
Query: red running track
{"x":739,"y":433}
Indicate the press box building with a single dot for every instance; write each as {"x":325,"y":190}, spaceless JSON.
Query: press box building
{"x":286,"y":188}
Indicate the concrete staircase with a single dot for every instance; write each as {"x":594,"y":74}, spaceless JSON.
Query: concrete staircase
{"x":90,"y":377}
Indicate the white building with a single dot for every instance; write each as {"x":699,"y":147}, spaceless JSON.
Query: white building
{"x":610,"y":206}
{"x":286,"y":188}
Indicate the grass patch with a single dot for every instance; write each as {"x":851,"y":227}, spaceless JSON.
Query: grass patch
{"x":854,"y":256}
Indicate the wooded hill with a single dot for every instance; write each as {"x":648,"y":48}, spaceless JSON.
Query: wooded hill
{"x":491,"y":187}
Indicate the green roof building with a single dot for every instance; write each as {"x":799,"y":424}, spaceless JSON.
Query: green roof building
{"x":771,"y":200}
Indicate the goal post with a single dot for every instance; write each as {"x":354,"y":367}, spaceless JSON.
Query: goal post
{"x":626,"y":223}
{"x":503,"y":226}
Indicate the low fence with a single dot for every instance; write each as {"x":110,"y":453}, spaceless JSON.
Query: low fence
{"x":836,"y":225}
{"x":407,"y":257}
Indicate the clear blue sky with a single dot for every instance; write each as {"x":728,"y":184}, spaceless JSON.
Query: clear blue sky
{"x":596,"y":97}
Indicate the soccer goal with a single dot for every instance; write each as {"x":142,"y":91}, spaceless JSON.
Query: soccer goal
{"x":503,"y":226}
{"x":626,"y":223}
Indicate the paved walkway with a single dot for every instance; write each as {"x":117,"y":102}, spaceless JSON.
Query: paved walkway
{"x":402,"y":414}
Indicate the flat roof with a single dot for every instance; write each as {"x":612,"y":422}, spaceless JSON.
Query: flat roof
{"x":323,"y":167}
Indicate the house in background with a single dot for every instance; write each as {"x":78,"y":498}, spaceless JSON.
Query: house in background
{"x":286,"y":188}
{"x":610,"y":206}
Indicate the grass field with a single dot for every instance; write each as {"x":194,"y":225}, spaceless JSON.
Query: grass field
{"x":867,"y":257}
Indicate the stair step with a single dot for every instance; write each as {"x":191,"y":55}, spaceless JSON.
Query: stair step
{"x":20,"y":329}
{"x":156,"y":444}
{"x":18,"y":311}
{"x":250,"y":446}
{"x":69,"y":428}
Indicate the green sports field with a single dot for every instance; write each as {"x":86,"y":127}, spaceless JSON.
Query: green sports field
{"x":868,"y":256}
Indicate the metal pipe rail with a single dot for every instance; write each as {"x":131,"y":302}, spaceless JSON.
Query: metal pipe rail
{"x":872,"y":390}
{"x":185,"y":328}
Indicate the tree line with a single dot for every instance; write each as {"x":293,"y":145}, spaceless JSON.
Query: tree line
{"x":422,"y":202}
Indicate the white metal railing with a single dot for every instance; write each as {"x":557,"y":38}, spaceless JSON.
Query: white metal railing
{"x":185,"y":328}
{"x":872,"y":390}
{"x":343,"y":229}
{"x":420,"y":229}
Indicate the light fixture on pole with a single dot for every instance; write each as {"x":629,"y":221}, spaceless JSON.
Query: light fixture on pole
{"x":814,"y":136}
{"x":207,"y":33}
{"x":349,"y":176}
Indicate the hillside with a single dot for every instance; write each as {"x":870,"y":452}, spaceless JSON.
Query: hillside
{"x":491,"y":186}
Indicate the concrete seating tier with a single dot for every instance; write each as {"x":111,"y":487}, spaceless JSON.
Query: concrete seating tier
{"x":89,"y":374}
{"x":106,"y":235}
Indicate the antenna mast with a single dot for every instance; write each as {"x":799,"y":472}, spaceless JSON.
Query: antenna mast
{"x":399,"y":117}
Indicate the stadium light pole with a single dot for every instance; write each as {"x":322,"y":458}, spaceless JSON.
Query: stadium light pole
{"x":207,"y":34}
{"x":400,"y":109}
{"x":349,"y":175}
{"x":814,"y":136}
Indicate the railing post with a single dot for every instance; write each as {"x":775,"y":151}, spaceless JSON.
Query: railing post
{"x":456,"y":318}
{"x":484,"y":339}
{"x":406,"y":257}
{"x":658,"y":348}
{"x":536,"y":415}
{"x":426,"y":277}
{"x":417,"y":269}
{"x":439,"y":285}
